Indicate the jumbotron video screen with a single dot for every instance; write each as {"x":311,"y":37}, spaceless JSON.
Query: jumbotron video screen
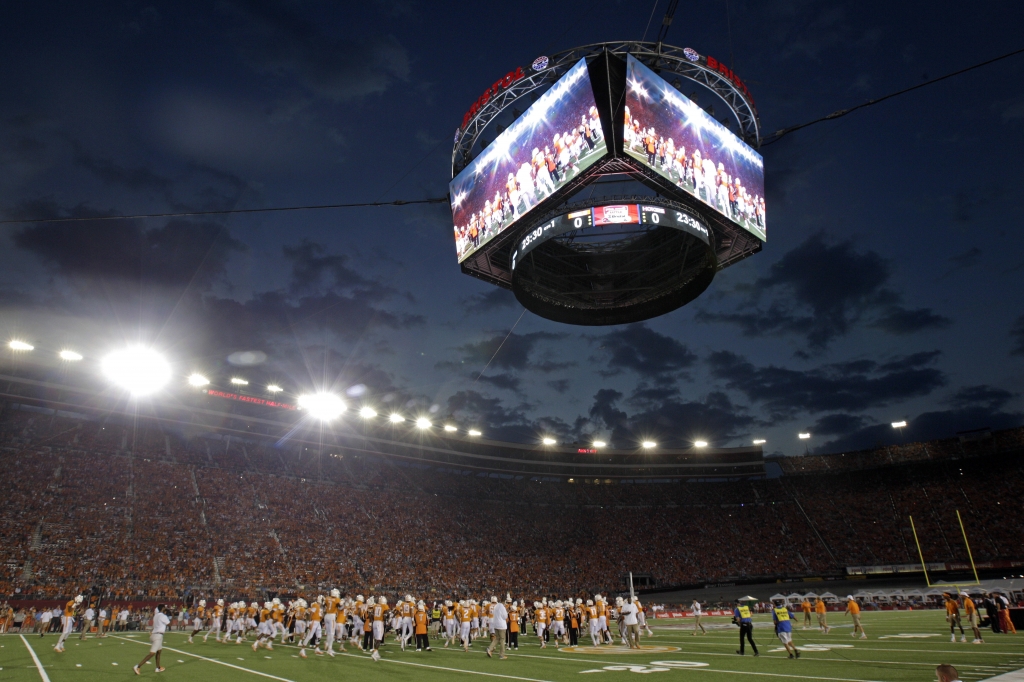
{"x":673,"y":136}
{"x":557,"y":138}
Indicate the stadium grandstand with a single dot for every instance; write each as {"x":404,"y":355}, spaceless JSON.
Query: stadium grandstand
{"x":215,"y":493}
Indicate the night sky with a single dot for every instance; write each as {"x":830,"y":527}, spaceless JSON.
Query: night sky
{"x":890,"y":287}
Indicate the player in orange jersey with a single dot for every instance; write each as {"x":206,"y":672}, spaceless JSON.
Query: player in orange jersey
{"x":407,"y":609}
{"x":805,"y":606}
{"x":332,"y":603}
{"x":421,"y":620}
{"x":218,"y":614}
{"x":541,"y":619}
{"x":953,"y":617}
{"x":67,"y":621}
{"x":972,"y":617}
{"x":448,"y":622}
{"x":380,"y":611}
{"x":465,"y":624}
{"x":313,"y":613}
{"x":197,"y":622}
{"x":265,"y":629}
{"x":557,"y":622}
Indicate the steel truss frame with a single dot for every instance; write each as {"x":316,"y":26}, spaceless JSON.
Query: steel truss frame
{"x":666,"y":59}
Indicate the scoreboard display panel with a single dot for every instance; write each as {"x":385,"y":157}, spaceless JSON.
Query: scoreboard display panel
{"x":555,"y":140}
{"x":673,"y":136}
{"x":610,"y":214}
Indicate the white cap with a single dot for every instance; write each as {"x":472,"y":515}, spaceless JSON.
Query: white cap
{"x":849,"y":596}
{"x":335,"y":593}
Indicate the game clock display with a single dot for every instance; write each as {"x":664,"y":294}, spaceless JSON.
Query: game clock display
{"x":610,"y":214}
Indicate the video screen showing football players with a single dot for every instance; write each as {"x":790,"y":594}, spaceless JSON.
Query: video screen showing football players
{"x":557,"y":138}
{"x":672,"y":135}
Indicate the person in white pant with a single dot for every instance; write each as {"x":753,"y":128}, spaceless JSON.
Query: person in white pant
{"x":67,"y":622}
{"x":156,"y":638}
{"x":407,"y":608}
{"x":595,"y":623}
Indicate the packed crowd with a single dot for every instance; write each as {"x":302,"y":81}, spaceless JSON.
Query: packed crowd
{"x":83,"y":507}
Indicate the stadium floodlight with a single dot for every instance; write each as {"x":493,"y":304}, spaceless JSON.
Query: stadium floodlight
{"x":423,"y":423}
{"x":700,"y":443}
{"x":899,"y":424}
{"x":760,"y":441}
{"x":803,"y":436}
{"x":548,"y":440}
{"x":140,"y":370}
{"x":473,"y":432}
{"x":450,"y":429}
{"x":649,"y":444}
{"x":367,"y":412}
{"x":70,"y":355}
{"x":599,"y":444}
{"x":197,"y":380}
{"x":323,"y":406}
{"x":396,"y":418}
{"x":274,"y":388}
{"x":20,"y":345}
{"x":239,"y":381}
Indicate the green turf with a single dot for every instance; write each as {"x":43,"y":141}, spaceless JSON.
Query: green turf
{"x":849,"y":659}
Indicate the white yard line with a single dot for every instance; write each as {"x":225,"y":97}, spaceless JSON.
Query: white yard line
{"x":39,"y":666}
{"x":439,"y":667}
{"x":1015,"y":676}
{"x":210,"y":660}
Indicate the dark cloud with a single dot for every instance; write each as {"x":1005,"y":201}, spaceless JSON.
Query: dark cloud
{"x":835,"y":424}
{"x":846,"y":386}
{"x":670,"y":421}
{"x":314,"y":269}
{"x":506,"y":381}
{"x":927,"y":426}
{"x":511,"y":351}
{"x":988,"y":397}
{"x":181,"y":252}
{"x":276,"y":39}
{"x":500,"y":422}
{"x":642,"y":350}
{"x":900,"y":321}
{"x":559,"y":385}
{"x":1017,"y":335}
{"x":495,"y":299}
{"x":820,"y":291}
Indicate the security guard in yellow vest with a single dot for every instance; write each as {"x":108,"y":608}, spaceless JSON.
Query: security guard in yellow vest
{"x":741,"y":616}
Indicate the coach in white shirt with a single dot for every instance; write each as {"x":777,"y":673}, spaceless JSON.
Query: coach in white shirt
{"x":44,"y":621}
{"x":156,"y":637}
{"x":499,"y":624}
{"x":628,"y":611}
{"x":87,"y":620}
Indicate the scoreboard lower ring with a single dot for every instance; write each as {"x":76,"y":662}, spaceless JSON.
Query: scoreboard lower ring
{"x":613,"y":263}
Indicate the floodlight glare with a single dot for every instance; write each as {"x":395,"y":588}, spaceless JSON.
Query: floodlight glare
{"x":240,"y":382}
{"x":70,"y":355}
{"x":274,"y":388}
{"x":21,"y":345}
{"x":473,"y":432}
{"x":649,"y":444}
{"x":548,"y":441}
{"x":396,"y":418}
{"x":197,"y":380}
{"x":599,"y":443}
{"x":423,"y":423}
{"x":450,"y":429}
{"x":760,"y":441}
{"x":367,"y":413}
{"x":804,"y":436}
{"x":700,"y":443}
{"x":323,"y":406}
{"x":139,"y":370}
{"x":899,"y":425}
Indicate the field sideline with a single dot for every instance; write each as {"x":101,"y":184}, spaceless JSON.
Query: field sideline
{"x":901,"y":646}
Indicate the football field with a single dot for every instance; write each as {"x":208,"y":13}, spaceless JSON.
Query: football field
{"x":900,"y":646}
